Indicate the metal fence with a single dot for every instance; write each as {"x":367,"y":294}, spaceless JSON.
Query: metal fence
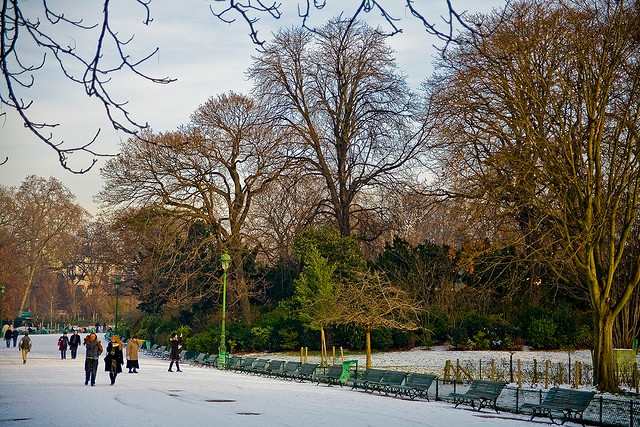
{"x":534,"y":373}
{"x":603,"y":411}
{"x":531,"y":379}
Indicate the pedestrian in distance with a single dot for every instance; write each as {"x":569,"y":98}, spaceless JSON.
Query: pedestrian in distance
{"x":94,"y":350}
{"x":14,"y":335}
{"x":133,"y":346}
{"x":63,"y":344}
{"x":98,"y":327}
{"x":174,"y":354}
{"x":113,"y":361}
{"x":8,"y":334}
{"x":74,"y":343}
{"x":25,"y":347}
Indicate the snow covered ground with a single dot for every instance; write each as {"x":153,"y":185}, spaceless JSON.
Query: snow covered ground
{"x":48,"y":391}
{"x":434,"y":359}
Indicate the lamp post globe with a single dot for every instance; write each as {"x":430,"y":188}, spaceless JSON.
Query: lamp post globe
{"x":225,"y":261}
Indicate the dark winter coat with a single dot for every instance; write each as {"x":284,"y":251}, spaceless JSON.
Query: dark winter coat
{"x":63,"y":342}
{"x":176,"y":345}
{"x":113,"y":359}
{"x":8,"y":334}
{"x":25,"y":343}
{"x":94,"y":347}
{"x":74,"y":341}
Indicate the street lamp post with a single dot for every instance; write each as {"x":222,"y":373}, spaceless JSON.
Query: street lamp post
{"x":117,"y":283}
{"x":225,"y":261}
{"x":1,"y":303}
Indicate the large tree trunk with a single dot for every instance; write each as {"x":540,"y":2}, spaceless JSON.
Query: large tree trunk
{"x":603,"y":365}
{"x":27,"y":290}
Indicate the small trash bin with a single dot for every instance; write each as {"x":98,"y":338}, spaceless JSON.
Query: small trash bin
{"x":346,"y":370}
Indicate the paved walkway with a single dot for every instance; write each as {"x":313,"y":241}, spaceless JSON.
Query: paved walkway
{"x":48,"y":391}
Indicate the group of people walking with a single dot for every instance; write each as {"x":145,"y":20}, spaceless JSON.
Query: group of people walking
{"x":114,"y":358}
{"x":11,"y":334}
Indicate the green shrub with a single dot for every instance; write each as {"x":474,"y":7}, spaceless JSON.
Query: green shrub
{"x":542,"y":333}
{"x":480,"y":341}
{"x":348,"y":337}
{"x":584,"y":337}
{"x":261,"y":338}
{"x":205,"y":342}
{"x":460,"y":338}
{"x":381,"y":339}
{"x":567,"y":325}
{"x":288,"y":339}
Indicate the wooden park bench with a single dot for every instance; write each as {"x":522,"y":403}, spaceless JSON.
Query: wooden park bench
{"x":330,"y":376}
{"x":151,"y":350}
{"x":245,"y":364}
{"x":484,"y":393}
{"x":211,"y":361}
{"x":232,"y":362}
{"x":306,"y":371}
{"x":389,"y":381}
{"x":368,"y":379}
{"x":287,"y":371}
{"x":273,"y":367}
{"x":416,"y":385}
{"x":562,"y":403}
{"x":160,"y":352}
{"x":259,"y":367}
{"x":199,"y":360}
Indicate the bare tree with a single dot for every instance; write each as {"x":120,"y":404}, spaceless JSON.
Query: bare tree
{"x":43,"y":218}
{"x":283,"y":211}
{"x":209,"y":172}
{"x":339,"y":91}
{"x":373,"y":302}
{"x":539,"y":124}
{"x":25,"y":28}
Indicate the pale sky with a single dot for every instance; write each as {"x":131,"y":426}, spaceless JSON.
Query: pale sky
{"x":206,"y":56}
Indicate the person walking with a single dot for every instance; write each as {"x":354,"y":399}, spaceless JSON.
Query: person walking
{"x":94,"y":350}
{"x":133,"y":346}
{"x":25,"y":346}
{"x":63,"y":344}
{"x":74,"y":343}
{"x":113,"y":361}
{"x":14,"y":335}
{"x":174,"y":355}
{"x":8,"y":334}
{"x":98,"y":327}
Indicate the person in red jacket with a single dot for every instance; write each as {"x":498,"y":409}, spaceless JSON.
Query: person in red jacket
{"x":63,"y":344}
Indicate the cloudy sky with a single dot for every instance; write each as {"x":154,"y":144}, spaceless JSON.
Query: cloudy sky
{"x":206,"y":56}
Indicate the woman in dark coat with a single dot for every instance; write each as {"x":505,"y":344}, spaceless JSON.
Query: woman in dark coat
{"x":174,"y":355}
{"x":63,"y":343}
{"x":114,"y":359}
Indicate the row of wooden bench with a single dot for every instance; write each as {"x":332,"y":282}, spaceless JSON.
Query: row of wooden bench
{"x":558,"y":404}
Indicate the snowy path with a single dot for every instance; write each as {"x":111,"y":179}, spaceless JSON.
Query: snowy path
{"x":48,"y":391}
